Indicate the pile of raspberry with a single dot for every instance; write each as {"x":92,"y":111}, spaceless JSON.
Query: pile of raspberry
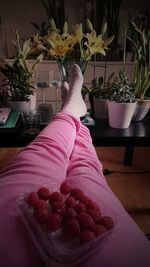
{"x":69,"y":210}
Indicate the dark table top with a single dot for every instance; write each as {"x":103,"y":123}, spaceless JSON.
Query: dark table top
{"x":137,"y":134}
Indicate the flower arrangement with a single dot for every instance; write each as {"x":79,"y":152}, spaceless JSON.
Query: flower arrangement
{"x":75,"y":46}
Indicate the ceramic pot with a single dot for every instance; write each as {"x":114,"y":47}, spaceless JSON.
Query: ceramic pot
{"x":101,"y":108}
{"x":120,"y":114}
{"x":142,"y":108}
{"x":24,"y":106}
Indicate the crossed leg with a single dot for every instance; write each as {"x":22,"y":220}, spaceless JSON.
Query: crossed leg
{"x":43,"y":162}
{"x":127,"y":245}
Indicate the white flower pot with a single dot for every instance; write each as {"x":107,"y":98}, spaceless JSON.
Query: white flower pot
{"x":101,"y":108}
{"x":24,"y":106}
{"x":120,"y":114}
{"x":19,"y":106}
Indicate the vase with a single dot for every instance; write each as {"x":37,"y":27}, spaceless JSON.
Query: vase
{"x":65,"y":66}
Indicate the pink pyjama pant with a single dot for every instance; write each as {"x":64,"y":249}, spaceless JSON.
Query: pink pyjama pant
{"x":64,"y":150}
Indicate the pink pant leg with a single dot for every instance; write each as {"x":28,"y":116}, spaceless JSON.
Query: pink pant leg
{"x":43,"y":162}
{"x":126,"y":246}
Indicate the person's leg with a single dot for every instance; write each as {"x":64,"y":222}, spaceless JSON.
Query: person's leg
{"x":43,"y":162}
{"x":127,"y":245}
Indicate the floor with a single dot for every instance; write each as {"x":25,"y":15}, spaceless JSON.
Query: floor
{"x":130,"y":184}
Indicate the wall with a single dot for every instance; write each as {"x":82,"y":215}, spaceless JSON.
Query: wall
{"x":17,"y":14}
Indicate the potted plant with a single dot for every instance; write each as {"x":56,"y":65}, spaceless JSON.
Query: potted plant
{"x":121,"y":103}
{"x":17,"y":83}
{"x":99,"y":94}
{"x":139,"y":37}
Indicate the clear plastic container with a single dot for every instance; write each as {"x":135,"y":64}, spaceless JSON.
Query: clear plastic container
{"x":53,"y":247}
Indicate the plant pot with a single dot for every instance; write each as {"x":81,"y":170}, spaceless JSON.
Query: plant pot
{"x":24,"y":106}
{"x":142,"y":108}
{"x":101,"y":108}
{"x":120,"y":114}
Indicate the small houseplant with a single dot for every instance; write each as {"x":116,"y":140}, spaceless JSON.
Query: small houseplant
{"x":17,"y":82}
{"x":121,"y":103}
{"x":139,"y":37}
{"x":99,"y":94}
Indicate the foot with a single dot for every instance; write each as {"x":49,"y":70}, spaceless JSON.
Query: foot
{"x":74,"y":103}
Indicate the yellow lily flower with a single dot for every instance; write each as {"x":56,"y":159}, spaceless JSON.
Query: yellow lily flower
{"x":77,"y":44}
{"x":108,"y":41}
{"x":59,"y":45}
{"x":78,"y":34}
{"x":95,"y":43}
{"x":37,"y":44}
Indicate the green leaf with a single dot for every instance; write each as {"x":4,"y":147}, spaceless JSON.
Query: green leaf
{"x":26,"y":48}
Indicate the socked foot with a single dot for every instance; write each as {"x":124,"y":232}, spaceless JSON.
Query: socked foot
{"x":74,"y":102}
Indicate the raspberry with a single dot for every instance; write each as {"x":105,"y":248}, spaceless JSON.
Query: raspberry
{"x":77,"y":193}
{"x":98,"y":229}
{"x":70,"y":214}
{"x":92,"y":205}
{"x":107,"y":222}
{"x":85,"y":220}
{"x":95,"y":214}
{"x":53,"y":222}
{"x":59,"y":207}
{"x":43,"y":193}
{"x":71,"y":228}
{"x":41,"y":215}
{"x":41,"y":204}
{"x":65,"y":188}
{"x":80,"y":207}
{"x":55,"y":197}
{"x":32,"y":199}
{"x":86,"y":236}
{"x":84,"y":200}
{"x":70,"y":202}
